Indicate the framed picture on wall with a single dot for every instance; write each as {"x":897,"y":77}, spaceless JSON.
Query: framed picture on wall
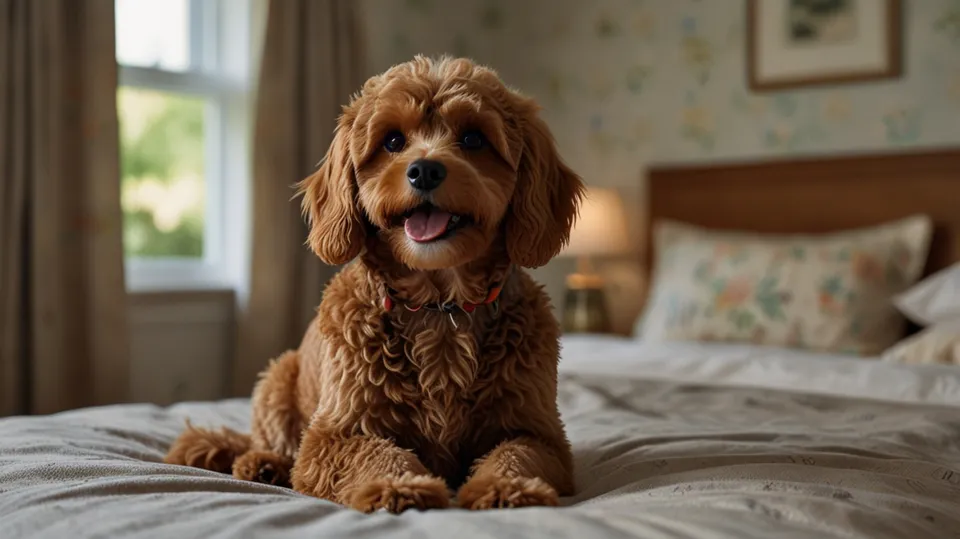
{"x":792,"y":43}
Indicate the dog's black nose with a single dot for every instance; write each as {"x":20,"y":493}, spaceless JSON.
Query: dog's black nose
{"x":426,"y":175}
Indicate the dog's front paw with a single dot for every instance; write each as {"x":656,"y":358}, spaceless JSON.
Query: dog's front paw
{"x":500,"y":492}
{"x":263,"y":467}
{"x":397,"y":494}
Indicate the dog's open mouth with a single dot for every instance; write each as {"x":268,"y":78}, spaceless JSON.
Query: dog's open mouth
{"x":427,"y":223}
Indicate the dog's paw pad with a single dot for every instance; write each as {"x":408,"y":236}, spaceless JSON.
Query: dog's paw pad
{"x":397,"y":494}
{"x":263,"y":467}
{"x":501,"y":493}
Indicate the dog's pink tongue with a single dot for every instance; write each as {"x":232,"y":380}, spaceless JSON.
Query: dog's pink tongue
{"x":426,"y":225}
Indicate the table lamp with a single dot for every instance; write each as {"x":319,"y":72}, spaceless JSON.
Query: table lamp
{"x":601,"y":230}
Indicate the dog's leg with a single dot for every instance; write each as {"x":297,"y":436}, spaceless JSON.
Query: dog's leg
{"x":518,"y":473}
{"x":208,"y":449}
{"x":366,"y":473}
{"x":276,"y":425}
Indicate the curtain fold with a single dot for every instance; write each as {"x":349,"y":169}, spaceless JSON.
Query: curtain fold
{"x":63,"y":335}
{"x":311,"y":63}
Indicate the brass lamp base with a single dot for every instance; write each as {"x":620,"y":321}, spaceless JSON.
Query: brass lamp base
{"x":585,"y":306}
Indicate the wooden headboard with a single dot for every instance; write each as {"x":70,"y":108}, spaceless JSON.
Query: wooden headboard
{"x":816,"y":195}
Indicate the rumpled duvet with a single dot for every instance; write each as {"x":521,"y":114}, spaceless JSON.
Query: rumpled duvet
{"x":669,"y":442}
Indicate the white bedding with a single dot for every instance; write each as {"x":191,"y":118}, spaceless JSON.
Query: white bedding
{"x":670,"y":441}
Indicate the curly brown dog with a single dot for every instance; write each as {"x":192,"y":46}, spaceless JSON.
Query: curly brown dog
{"x":432,"y":362}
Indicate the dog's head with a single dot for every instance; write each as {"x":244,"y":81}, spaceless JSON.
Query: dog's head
{"x":439,"y":159}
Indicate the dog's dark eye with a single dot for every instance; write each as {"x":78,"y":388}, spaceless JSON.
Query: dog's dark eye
{"x":472,"y":140}
{"x":394,"y":141}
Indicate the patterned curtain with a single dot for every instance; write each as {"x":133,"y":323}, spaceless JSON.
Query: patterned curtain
{"x":63,"y":338}
{"x":311,"y":63}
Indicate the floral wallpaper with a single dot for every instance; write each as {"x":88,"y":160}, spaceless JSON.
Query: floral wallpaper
{"x":627,"y":83}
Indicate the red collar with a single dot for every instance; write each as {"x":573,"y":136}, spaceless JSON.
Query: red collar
{"x":493,"y":297}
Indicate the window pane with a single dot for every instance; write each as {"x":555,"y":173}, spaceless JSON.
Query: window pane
{"x":153,"y":33}
{"x":162,"y":158}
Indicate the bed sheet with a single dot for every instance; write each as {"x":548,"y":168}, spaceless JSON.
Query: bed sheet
{"x":675,"y":441}
{"x":762,"y":366}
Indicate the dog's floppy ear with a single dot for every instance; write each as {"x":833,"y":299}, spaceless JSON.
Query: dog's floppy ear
{"x":545,"y":201}
{"x":330,"y":206}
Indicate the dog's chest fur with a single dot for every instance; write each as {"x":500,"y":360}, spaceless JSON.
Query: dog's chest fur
{"x":433,"y":388}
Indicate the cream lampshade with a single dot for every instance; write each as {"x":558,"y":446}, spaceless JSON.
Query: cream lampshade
{"x":601,"y":230}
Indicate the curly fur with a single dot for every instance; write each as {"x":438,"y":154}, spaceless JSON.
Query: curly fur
{"x":390,"y":409}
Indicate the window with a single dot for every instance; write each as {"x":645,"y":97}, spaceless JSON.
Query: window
{"x":183,"y":104}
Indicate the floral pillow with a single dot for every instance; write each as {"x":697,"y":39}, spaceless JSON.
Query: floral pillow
{"x":829,"y":292}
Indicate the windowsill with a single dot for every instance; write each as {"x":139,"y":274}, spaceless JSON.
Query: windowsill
{"x":179,"y":288}
{"x":175,"y":275}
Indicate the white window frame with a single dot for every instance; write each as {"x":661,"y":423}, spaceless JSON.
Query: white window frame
{"x":222,"y":69}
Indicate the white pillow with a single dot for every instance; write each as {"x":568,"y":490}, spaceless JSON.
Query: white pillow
{"x":934,"y":299}
{"x":939,"y":343}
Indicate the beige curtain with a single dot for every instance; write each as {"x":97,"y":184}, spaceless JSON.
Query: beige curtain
{"x":311,"y":63}
{"x":63,"y":338}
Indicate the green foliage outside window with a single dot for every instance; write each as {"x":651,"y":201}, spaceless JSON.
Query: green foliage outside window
{"x":162,"y":165}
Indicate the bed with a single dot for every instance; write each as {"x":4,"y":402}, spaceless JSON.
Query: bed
{"x":672,"y":439}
